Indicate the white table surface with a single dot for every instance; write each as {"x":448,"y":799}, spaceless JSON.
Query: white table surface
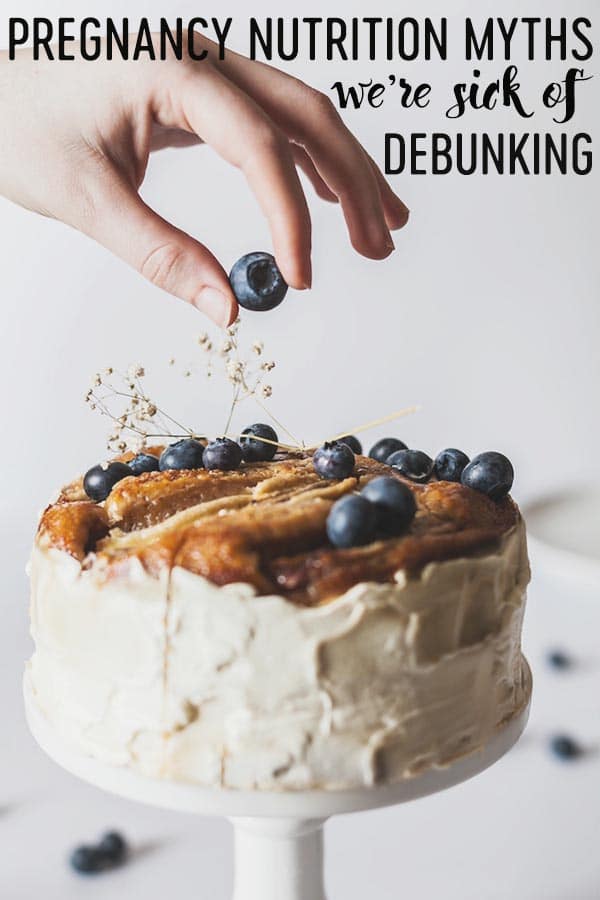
{"x":526,"y":829}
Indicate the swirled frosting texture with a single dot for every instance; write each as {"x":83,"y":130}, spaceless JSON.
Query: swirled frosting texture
{"x":174,"y":676}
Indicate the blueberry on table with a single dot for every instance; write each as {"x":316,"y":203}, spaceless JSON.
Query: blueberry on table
{"x":87,"y":860}
{"x":257,"y":283}
{"x":385,"y":447}
{"x":449,"y":464}
{"x":564,"y":747}
{"x":491,"y":473}
{"x":413,"y":464}
{"x":394,"y":504}
{"x":558,"y":659}
{"x":113,"y":848}
{"x":183,"y":454}
{"x":222,"y":453}
{"x":99,"y":481}
{"x":257,"y":450}
{"x":353,"y":442}
{"x":352,"y":522}
{"x":143,"y":462}
{"x":334,"y":460}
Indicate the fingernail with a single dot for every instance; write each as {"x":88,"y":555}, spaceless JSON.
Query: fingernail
{"x":309,"y":278}
{"x":307,"y":283}
{"x":215,"y":305}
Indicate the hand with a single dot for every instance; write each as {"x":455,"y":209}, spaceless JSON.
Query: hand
{"x":76,"y":138}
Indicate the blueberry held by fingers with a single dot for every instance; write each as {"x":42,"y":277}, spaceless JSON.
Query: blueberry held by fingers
{"x":143,"y":462}
{"x":490,"y":473}
{"x":353,"y":442}
{"x":254,"y":450}
{"x":384,"y":448}
{"x":413,"y":464}
{"x":99,"y":481}
{"x":223,"y":454}
{"x":449,"y":464}
{"x":334,"y":460}
{"x":352,"y":522}
{"x":257,"y":283}
{"x":183,"y":454}
{"x":394,"y":504}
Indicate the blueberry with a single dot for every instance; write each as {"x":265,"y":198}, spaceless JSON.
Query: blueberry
{"x":394,"y":503}
{"x":258,"y":451}
{"x":113,"y":848}
{"x":183,"y":454}
{"x":334,"y":460}
{"x":99,"y":481}
{"x":491,"y":473}
{"x":87,"y":860}
{"x":558,"y":659}
{"x":352,"y":521}
{"x":353,"y":442}
{"x":449,"y":464}
{"x":565,"y":747}
{"x":222,"y":453}
{"x":257,"y":283}
{"x":143,"y":462}
{"x":384,"y":448}
{"x":413,"y":464}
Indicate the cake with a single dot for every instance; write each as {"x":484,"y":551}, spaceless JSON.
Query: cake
{"x":199,"y":626}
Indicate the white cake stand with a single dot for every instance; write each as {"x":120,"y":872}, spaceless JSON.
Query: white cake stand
{"x":278,"y":836}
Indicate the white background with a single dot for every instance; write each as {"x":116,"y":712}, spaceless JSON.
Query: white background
{"x":487,"y":315}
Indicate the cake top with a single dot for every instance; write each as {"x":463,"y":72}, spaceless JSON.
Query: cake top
{"x":270,"y":523}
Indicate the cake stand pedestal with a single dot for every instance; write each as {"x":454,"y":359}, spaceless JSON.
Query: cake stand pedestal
{"x":278,"y":836}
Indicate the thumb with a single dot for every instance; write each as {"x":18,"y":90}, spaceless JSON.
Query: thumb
{"x":165,"y":255}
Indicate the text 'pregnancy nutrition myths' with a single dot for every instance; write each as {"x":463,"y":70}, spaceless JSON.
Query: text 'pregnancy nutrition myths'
{"x":496,"y":52}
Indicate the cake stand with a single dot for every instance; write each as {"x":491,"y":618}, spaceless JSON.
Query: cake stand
{"x":278,"y":836}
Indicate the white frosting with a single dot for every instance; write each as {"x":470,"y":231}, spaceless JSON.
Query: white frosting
{"x":180,"y":679}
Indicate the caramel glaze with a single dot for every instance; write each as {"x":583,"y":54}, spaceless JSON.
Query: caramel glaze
{"x":264,"y":525}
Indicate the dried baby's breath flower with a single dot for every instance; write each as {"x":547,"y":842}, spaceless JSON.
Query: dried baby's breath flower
{"x":138,"y":417}
{"x":235,"y":371}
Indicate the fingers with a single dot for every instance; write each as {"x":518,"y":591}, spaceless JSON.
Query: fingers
{"x":345,"y":169}
{"x":172,"y":137}
{"x":166,"y":256}
{"x":223,"y":116}
{"x":304,"y":162}
{"x":309,"y":118}
{"x":396,"y":212}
